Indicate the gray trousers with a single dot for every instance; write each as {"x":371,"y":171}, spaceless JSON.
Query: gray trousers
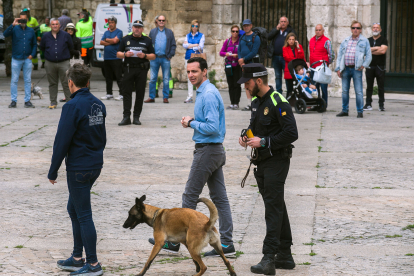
{"x":207,"y":168}
{"x":56,"y":71}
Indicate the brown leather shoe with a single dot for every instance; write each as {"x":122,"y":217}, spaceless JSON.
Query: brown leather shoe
{"x":166,"y":100}
{"x":149,"y":100}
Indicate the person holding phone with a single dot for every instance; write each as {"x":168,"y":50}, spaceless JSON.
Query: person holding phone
{"x":291,"y":50}
{"x":24,"y":47}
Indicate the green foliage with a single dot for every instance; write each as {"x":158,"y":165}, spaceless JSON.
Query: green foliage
{"x":411,"y":226}
{"x":393,"y":236}
{"x":212,"y":77}
{"x":375,"y":90}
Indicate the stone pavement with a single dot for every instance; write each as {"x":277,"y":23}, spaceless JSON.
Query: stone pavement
{"x":349,"y":192}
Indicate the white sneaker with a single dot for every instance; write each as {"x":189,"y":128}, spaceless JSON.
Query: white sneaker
{"x":189,"y":100}
{"x":107,"y":97}
{"x":230,"y":107}
{"x":315,"y":94}
{"x":119,"y":98}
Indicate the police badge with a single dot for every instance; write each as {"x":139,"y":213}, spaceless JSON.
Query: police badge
{"x":128,"y":42}
{"x":266,"y":111}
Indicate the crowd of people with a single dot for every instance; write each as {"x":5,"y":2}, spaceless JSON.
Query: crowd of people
{"x":129,"y":57}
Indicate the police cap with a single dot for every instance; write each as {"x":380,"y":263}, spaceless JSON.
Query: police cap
{"x":138,"y":23}
{"x":252,"y":70}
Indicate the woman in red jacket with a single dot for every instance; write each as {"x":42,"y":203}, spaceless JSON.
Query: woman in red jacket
{"x":292,"y":50}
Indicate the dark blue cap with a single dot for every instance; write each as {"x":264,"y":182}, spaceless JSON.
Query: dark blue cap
{"x":247,"y":22}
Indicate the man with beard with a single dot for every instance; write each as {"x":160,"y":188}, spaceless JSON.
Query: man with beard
{"x":376,"y":70}
{"x":274,"y":129}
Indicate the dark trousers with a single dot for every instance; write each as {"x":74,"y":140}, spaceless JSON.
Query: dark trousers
{"x":135,"y":79}
{"x":113,"y":67}
{"x":377,"y":72}
{"x":289,"y":87}
{"x":234,"y":87}
{"x":271,"y":176}
{"x":322,"y":86}
{"x":88,"y":57}
{"x":80,"y":212}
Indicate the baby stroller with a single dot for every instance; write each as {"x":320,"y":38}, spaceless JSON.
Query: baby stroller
{"x":302,"y":100}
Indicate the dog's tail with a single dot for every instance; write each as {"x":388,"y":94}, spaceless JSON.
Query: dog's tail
{"x":213,"y":212}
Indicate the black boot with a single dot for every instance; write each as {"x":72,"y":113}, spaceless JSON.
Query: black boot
{"x":125,"y":121}
{"x":285,"y":260}
{"x":266,"y":265}
{"x":136,"y":121}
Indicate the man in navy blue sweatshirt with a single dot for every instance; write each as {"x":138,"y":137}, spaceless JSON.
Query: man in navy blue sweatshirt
{"x":80,"y":139}
{"x":248,"y":48}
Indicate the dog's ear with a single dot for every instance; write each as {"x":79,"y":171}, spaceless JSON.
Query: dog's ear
{"x":142,"y":199}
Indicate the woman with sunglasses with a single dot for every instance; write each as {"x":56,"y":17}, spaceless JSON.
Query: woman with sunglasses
{"x":194,"y":43}
{"x":232,"y":67}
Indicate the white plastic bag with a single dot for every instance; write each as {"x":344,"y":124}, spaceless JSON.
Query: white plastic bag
{"x":322,"y":73}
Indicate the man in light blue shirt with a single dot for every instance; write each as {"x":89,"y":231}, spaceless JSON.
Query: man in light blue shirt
{"x":164,"y":45}
{"x":209,"y":156}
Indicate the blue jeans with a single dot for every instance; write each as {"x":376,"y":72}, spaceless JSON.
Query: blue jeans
{"x":347,"y":75}
{"x":155,"y":67}
{"x":80,"y":212}
{"x":17,"y":65}
{"x":278,"y":64}
{"x":322,"y":86}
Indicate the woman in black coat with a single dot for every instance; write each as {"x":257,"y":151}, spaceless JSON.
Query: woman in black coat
{"x":77,"y":45}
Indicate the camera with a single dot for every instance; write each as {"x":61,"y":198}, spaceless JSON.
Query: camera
{"x":22,"y":21}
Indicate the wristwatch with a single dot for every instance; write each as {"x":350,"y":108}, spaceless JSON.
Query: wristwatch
{"x":263,"y":142}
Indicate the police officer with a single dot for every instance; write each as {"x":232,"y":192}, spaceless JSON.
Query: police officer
{"x":137,"y":50}
{"x":274,"y":129}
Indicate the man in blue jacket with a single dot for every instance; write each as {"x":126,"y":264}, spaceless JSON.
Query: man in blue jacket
{"x":164,"y":45}
{"x":24,"y":47}
{"x":80,"y":139}
{"x":353,"y":56}
{"x":248,"y":48}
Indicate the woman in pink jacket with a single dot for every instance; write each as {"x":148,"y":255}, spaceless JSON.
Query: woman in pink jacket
{"x":232,"y":67}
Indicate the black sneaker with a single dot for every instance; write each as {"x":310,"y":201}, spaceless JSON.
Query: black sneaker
{"x":342,"y":114}
{"x":367,"y":107}
{"x":228,"y":250}
{"x":89,"y":270}
{"x":71,"y":264}
{"x":284,"y":261}
{"x":360,"y":115}
{"x":168,"y":246}
{"x":12,"y":104}
{"x":247,"y":108}
{"x":28,"y":104}
{"x":125,"y":121}
{"x":381,"y":108}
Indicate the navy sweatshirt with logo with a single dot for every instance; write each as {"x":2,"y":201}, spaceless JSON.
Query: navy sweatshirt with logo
{"x":81,"y":134}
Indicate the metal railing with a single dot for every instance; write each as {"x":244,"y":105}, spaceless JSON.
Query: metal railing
{"x":266,"y":14}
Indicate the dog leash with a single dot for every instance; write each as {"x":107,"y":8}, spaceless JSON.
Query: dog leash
{"x":253,"y":156}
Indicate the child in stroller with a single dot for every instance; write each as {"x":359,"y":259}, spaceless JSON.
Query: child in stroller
{"x":300,"y":98}
{"x":304,"y":80}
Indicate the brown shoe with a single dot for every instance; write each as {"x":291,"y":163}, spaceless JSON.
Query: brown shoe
{"x":149,"y":100}
{"x":166,"y":100}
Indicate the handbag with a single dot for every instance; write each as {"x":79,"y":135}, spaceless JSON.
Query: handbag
{"x":199,"y":54}
{"x":322,"y":73}
{"x":74,"y":60}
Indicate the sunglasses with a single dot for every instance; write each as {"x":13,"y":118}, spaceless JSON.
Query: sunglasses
{"x":161,"y":20}
{"x":356,"y":28}
{"x":194,"y":26}
{"x":234,"y":31}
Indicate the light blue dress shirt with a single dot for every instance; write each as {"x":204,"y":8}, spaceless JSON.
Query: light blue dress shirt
{"x":209,"y":120}
{"x":160,"y":43}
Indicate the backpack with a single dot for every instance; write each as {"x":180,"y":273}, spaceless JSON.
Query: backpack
{"x":262,"y":53}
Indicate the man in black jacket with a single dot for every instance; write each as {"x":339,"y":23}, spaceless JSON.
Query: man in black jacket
{"x":80,"y":140}
{"x":274,"y":129}
{"x":277,"y":36}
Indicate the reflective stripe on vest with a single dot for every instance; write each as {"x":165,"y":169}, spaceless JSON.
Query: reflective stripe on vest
{"x":254,"y":98}
{"x":86,"y":40}
{"x":280,"y":96}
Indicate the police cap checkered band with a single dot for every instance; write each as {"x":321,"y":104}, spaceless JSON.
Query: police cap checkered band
{"x":252,"y":70}
{"x":138,"y":23}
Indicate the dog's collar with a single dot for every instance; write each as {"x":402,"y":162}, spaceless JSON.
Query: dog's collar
{"x":155,"y":215}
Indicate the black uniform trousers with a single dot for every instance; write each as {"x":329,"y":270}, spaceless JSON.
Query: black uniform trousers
{"x":135,"y":79}
{"x":271,"y":176}
{"x":113,"y":68}
{"x":234,"y":87}
{"x":377,"y":72}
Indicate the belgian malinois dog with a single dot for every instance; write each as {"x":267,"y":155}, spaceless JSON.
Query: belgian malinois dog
{"x":179,"y":225}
